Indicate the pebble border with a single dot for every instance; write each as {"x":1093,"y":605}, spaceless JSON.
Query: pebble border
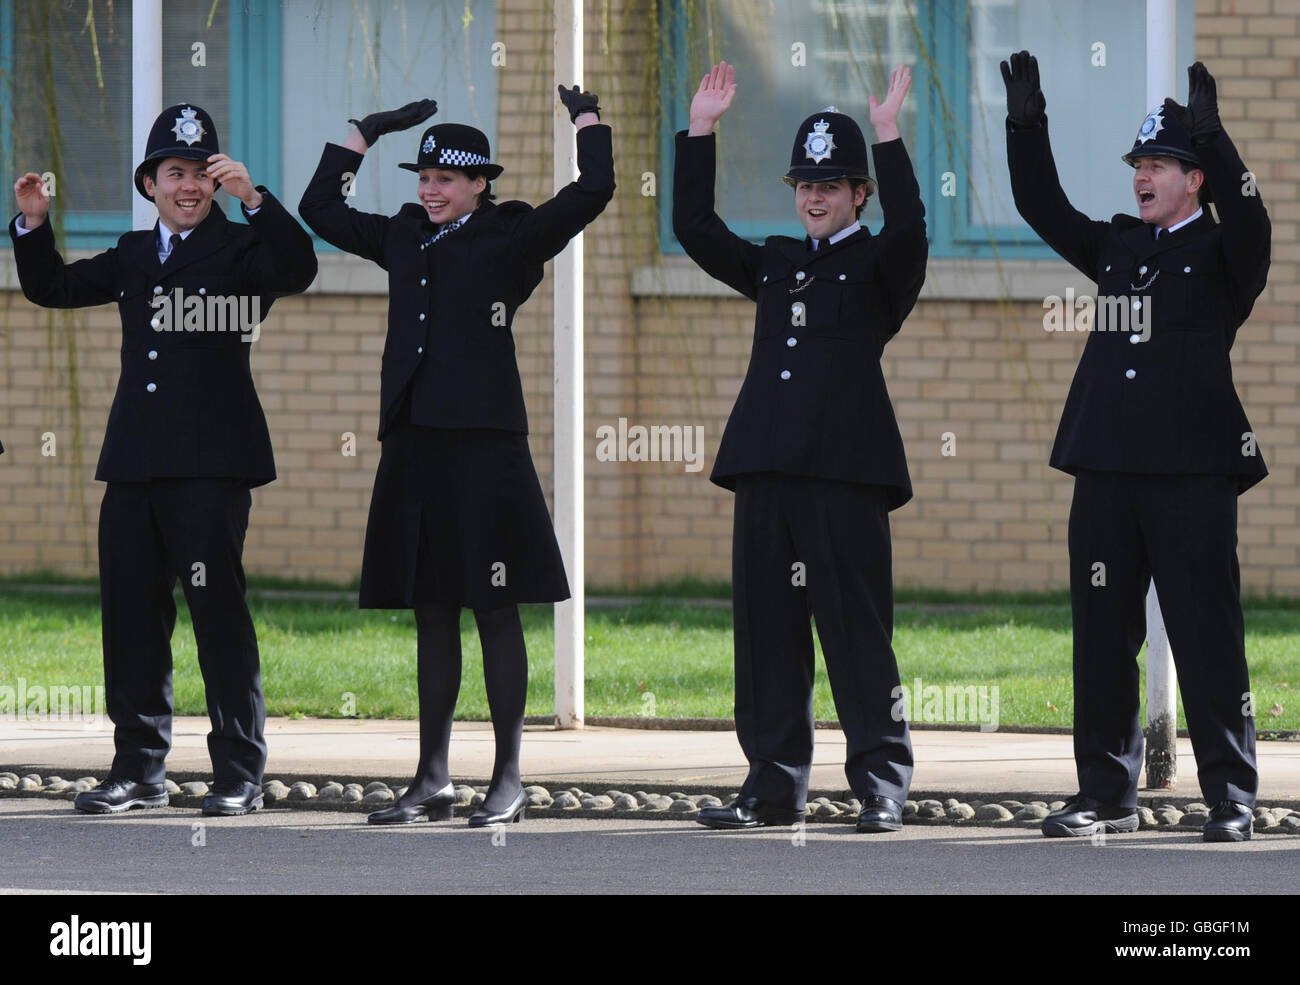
{"x":674,"y":805}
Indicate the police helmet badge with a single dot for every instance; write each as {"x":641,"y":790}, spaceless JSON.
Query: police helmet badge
{"x":188,"y":128}
{"x":1152,"y":125}
{"x":428,"y":145}
{"x":819,"y":143}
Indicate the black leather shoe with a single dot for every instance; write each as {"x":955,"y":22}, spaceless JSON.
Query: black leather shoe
{"x":117,"y":794}
{"x":515,"y":812}
{"x":232,"y":798}
{"x":437,"y":806}
{"x":1229,"y":821}
{"x":1082,"y":817}
{"x":880,"y":814}
{"x":748,"y":812}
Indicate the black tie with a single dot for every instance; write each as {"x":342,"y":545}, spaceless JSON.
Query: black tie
{"x":172,"y":242}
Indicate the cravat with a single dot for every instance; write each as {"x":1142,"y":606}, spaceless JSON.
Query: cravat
{"x":449,"y":227}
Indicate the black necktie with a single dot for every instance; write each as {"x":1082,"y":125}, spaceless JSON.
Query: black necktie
{"x":173,"y":241}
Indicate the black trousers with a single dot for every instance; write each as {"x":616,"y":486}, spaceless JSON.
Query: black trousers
{"x":149,"y":534}
{"x":838,"y":532}
{"x":1180,"y":530}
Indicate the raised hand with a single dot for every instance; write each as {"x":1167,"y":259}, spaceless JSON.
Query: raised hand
{"x":32,"y":200}
{"x":1025,"y":100}
{"x":1202,"y":103}
{"x":712,"y":99}
{"x":375,"y":125}
{"x":884,"y":116}
{"x":578,"y":102}
{"x":234,"y":179}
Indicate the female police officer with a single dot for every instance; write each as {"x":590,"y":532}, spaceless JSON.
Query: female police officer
{"x":457,"y":517}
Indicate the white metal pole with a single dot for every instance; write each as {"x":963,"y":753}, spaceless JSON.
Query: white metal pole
{"x":146,"y":93}
{"x":1161,"y":730}
{"x":569,"y":616}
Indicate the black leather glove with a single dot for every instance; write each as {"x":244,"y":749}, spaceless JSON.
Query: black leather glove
{"x":376,"y":125}
{"x":578,"y":102}
{"x":1025,"y":100}
{"x":1202,"y":104}
{"x":1177,"y":111}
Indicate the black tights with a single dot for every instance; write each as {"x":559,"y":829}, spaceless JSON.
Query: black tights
{"x":505,"y":673}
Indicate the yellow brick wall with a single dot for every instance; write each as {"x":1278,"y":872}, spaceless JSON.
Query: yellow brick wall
{"x":993,"y":516}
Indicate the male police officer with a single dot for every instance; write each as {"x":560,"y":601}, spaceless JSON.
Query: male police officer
{"x":186,"y":440}
{"x":813,"y":452}
{"x":1158,"y":443}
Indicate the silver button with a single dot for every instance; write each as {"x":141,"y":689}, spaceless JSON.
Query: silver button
{"x":423,"y":281}
{"x":419,"y":351}
{"x":1137,"y":303}
{"x":156,"y":322}
{"x":1108,"y":268}
{"x":799,"y":275}
{"x":121,"y":294}
{"x":792,"y":342}
{"x":421,"y":316}
{"x":785,"y":374}
{"x":765,"y":278}
{"x":157,"y":289}
{"x":1130,"y":374}
{"x":1134,"y":339}
{"x":203,"y":290}
{"x":152,"y":387}
{"x":844,"y":276}
{"x":1187,"y":270}
{"x":153,"y":353}
{"x":1142,"y":270}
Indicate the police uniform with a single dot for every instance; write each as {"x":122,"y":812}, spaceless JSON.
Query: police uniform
{"x":1160,"y":448}
{"x":813,"y":453}
{"x":186,"y":440}
{"x":458,"y":514}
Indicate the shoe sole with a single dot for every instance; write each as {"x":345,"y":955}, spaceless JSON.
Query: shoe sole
{"x":478,"y":822}
{"x":879,"y":827}
{"x":1118,"y":826}
{"x":143,"y":803}
{"x":1230,"y":836}
{"x":767,"y":822}
{"x":238,"y":812}
{"x":441,"y":814}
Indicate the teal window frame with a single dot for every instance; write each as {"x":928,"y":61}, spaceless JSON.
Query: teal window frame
{"x":945,"y":30}
{"x":254,"y":124}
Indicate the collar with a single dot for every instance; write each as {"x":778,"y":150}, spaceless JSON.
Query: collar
{"x":1179,"y":225}
{"x":165,"y":233}
{"x":847,"y":231}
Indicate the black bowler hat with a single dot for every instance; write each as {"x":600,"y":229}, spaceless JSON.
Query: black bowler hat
{"x":829,"y":145}
{"x":455,"y":145}
{"x":183,"y":131}
{"x":1163,"y":135}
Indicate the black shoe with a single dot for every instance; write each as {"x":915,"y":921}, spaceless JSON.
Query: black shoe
{"x":880,"y":814}
{"x":1229,"y":821}
{"x":232,"y":798}
{"x":748,"y":812}
{"x":515,"y":812}
{"x":437,"y":806}
{"x":117,"y":794}
{"x":1082,"y":817}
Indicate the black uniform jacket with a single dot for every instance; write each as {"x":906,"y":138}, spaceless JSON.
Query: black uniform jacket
{"x":814,"y":400}
{"x":1166,"y":405}
{"x":451,"y":305}
{"x":185,"y":405}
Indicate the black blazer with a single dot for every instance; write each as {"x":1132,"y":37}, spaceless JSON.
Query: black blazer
{"x":1167,"y":404}
{"x":202,"y":419}
{"x":451,"y":305}
{"x":814,"y":400}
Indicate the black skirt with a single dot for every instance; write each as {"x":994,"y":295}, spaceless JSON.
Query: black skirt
{"x":458,"y":515}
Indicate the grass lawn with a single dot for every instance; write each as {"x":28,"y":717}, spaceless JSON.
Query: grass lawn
{"x":659,"y":658}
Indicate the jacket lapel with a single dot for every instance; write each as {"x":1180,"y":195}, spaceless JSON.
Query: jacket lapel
{"x":1138,"y":238}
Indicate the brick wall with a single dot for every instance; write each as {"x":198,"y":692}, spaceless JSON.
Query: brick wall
{"x":992,"y":516}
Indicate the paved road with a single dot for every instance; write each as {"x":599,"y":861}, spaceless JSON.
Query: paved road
{"x":49,"y":848}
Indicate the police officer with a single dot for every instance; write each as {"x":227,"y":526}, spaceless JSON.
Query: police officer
{"x":186,"y":441}
{"x":457,"y":517}
{"x":813,"y":452}
{"x":1158,"y":443}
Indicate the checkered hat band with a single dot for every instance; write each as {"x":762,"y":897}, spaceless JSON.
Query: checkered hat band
{"x":460,"y":157}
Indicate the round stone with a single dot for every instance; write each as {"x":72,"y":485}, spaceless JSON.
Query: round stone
{"x":57,"y":785}
{"x":600,"y":803}
{"x":464,"y":795}
{"x":81,"y":786}
{"x":34,"y":777}
{"x":1291,"y":823}
{"x":1194,"y":819}
{"x":331,"y":793}
{"x":195,"y":788}
{"x":477,"y":799}
{"x":27,"y":783}
{"x":962,"y":812}
{"x":1012,"y":805}
{"x":1030,"y":812}
{"x":707,"y":800}
{"x":274,"y":790}
{"x":950,"y":803}
{"x":535,"y":790}
{"x":994,"y":812}
{"x":642,"y":797}
{"x":352,"y":795}
{"x":1168,"y":816}
{"x":374,"y":785}
{"x":8,"y":784}
{"x":379,"y":796}
{"x":677,"y":795}
{"x":169,"y":785}
{"x":1264,"y":821}
{"x":683,"y":806}
{"x":929,"y":809}
{"x":826,"y":810}
{"x":566,"y":801}
{"x":1146,"y":818}
{"x":626,"y":802}
{"x":302,"y":791}
{"x":1056,"y":805}
{"x":909,"y":808}
{"x":539,"y":800}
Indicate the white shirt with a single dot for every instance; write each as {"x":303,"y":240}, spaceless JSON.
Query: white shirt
{"x":848,"y":230}
{"x":1179,"y":225}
